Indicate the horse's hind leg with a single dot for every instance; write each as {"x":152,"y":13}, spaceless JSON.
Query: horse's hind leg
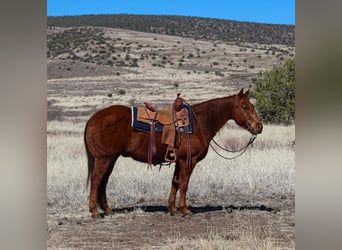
{"x":101,"y":194}
{"x":102,"y":166}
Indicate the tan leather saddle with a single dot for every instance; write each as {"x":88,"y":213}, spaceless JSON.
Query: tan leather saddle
{"x":164,"y":116}
{"x":172,"y":117}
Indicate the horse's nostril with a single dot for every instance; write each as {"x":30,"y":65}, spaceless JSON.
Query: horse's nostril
{"x":259,"y":127}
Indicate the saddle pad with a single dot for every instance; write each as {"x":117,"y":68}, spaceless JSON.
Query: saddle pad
{"x":143,"y":126}
{"x":146,"y":126}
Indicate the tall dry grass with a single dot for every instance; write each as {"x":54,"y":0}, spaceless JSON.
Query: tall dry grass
{"x":219,"y":241}
{"x":266,"y":168}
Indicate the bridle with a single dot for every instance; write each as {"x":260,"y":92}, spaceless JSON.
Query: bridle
{"x":243,"y":149}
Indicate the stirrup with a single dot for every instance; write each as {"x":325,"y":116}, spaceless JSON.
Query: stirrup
{"x":171,"y":155}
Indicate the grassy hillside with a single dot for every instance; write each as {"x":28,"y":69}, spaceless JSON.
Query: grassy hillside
{"x":95,"y":51}
{"x":194,"y":27}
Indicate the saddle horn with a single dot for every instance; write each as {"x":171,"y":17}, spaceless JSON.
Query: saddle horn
{"x":178,"y":104}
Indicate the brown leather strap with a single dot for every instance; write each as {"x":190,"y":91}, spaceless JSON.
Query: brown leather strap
{"x":152,"y":149}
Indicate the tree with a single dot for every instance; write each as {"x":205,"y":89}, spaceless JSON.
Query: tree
{"x":275,"y":94}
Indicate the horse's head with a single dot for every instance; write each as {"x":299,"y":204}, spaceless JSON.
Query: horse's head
{"x":244,"y":113}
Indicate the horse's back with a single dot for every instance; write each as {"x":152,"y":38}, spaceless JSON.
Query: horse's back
{"x":113,"y":112}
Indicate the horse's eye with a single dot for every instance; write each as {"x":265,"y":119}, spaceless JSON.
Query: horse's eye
{"x":244,"y":107}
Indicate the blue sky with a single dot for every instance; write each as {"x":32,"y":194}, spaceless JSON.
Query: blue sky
{"x":263,"y":11}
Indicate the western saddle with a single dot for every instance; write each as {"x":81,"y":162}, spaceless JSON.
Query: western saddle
{"x":172,"y":118}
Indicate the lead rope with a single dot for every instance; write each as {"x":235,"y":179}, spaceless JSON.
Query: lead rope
{"x":251,"y":140}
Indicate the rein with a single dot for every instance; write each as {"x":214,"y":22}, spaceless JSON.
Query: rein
{"x":243,"y":149}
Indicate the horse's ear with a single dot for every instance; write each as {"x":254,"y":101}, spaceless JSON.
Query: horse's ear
{"x":240,"y":93}
{"x":247,"y":93}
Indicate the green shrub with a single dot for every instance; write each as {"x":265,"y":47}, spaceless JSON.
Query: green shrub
{"x":275,"y":94}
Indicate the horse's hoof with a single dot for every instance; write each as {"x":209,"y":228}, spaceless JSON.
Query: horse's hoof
{"x":188,"y":215}
{"x":109,"y":212}
{"x":176,"y":213}
{"x":96,"y":216}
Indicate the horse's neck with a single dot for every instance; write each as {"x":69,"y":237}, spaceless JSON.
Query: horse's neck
{"x":213,"y":114}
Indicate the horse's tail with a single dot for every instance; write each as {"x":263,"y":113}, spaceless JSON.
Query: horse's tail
{"x":91,"y":159}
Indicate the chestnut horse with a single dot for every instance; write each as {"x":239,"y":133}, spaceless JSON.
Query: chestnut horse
{"x":109,"y":134}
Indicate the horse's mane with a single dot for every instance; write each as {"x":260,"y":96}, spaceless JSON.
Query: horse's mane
{"x":213,"y":114}
{"x":211,"y":101}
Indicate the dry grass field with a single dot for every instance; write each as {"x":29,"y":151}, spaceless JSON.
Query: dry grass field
{"x":246,"y":203}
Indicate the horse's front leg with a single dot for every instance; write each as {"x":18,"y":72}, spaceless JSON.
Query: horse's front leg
{"x":184,"y":177}
{"x":174,"y":188}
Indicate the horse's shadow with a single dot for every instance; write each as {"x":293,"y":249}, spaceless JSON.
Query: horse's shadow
{"x":195,"y":210}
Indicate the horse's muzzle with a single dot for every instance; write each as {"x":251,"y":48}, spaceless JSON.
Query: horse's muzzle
{"x":259,"y":128}
{"x":256,"y":129}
